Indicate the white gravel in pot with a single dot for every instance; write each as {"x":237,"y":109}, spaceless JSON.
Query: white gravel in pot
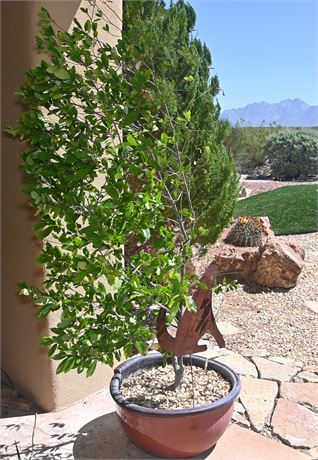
{"x":148,"y":388}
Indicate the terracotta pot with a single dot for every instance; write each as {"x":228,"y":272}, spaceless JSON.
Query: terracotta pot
{"x":179,"y":433}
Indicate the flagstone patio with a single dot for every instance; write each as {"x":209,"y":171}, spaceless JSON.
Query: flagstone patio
{"x":273,"y":420}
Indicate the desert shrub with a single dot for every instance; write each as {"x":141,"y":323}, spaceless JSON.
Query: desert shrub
{"x":246,"y":143}
{"x":292,"y":153}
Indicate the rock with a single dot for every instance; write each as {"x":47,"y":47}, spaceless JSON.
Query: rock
{"x":306,"y":376}
{"x":238,"y":407}
{"x":303,"y":393}
{"x":275,"y":263}
{"x":227,"y":328}
{"x":247,"y":192}
{"x":313,"y":453}
{"x":295,"y":424}
{"x":236,"y":262}
{"x":312,"y":368}
{"x":239,"y":364}
{"x":274,"y":371}
{"x":239,"y":418}
{"x":279,"y":264}
{"x":214,"y":351}
{"x":258,"y":398}
{"x":248,"y":353}
{"x":313,"y":306}
{"x":283,"y":360}
{"x":239,"y":443}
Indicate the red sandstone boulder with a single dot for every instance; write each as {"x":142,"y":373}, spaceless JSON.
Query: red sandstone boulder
{"x":236,"y":262}
{"x":279,"y":264}
{"x":275,"y":263}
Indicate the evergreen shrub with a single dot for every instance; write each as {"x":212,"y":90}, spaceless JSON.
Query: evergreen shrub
{"x":293,"y":153}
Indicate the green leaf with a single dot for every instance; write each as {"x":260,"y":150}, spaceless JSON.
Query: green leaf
{"x":188,"y":78}
{"x":44,"y":14}
{"x":23,"y":289}
{"x":66,"y":365}
{"x":164,"y":138}
{"x":35,"y":195}
{"x":88,"y":25}
{"x":146,"y":233}
{"x":91,"y":368}
{"x":128,"y":350}
{"x":58,"y":72}
{"x":52,"y":350}
{"x":82,"y":265}
{"x":131,"y":140}
{"x":187,"y":115}
{"x":44,"y":311}
{"x":131,"y":116}
{"x":78,"y":241}
{"x":141,"y":347}
{"x":45,"y":341}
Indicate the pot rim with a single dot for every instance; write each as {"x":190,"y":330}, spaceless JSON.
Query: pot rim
{"x":154,"y":359}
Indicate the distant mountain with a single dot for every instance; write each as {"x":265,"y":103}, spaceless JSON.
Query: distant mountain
{"x":291,"y":112}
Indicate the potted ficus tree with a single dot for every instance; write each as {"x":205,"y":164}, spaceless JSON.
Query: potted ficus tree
{"x":113,"y":185}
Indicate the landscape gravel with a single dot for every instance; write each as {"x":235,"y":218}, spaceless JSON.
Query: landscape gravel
{"x":260,"y":186}
{"x":148,"y":388}
{"x":276,"y":321}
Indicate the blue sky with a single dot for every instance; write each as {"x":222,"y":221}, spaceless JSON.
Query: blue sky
{"x":261,"y":50}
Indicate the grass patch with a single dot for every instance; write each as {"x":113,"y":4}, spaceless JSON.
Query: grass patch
{"x":291,"y":209}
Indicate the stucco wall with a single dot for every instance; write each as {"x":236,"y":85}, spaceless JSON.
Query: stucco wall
{"x":22,"y":358}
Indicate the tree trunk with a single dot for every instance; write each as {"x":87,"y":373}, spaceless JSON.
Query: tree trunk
{"x":178,"y":373}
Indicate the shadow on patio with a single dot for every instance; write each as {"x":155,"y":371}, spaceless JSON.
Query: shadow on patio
{"x":103,"y":438}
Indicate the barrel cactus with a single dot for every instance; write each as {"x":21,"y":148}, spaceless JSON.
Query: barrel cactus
{"x":246,"y":231}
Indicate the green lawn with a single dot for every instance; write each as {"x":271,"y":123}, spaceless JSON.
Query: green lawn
{"x":291,"y":209}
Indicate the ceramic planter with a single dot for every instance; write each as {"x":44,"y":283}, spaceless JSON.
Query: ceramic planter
{"x":179,"y":433}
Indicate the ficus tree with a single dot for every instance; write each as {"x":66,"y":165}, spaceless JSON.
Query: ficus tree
{"x":91,"y":134}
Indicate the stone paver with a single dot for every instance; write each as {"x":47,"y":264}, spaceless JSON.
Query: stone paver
{"x":306,"y":376}
{"x":274,"y":371}
{"x":213,"y":351}
{"x":241,"y":419}
{"x":313,"y":453}
{"x":303,"y":393}
{"x":313,"y":306}
{"x":227,"y":328}
{"x":288,"y":361}
{"x":248,"y":353}
{"x":258,"y":398}
{"x":238,"y":407}
{"x":239,"y":443}
{"x":295,"y":424}
{"x":311,"y":368}
{"x":239,"y":364}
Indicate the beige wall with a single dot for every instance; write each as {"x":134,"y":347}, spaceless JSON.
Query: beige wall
{"x":21,"y":356}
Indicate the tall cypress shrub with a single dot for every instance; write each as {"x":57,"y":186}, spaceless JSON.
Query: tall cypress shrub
{"x":182,"y":65}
